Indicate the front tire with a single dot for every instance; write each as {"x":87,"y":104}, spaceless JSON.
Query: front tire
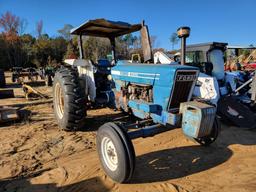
{"x":69,"y":100}
{"x":116,"y":152}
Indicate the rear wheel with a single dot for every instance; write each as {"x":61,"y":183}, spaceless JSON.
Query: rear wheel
{"x":116,"y":152}
{"x":69,"y":100}
{"x":206,"y":141}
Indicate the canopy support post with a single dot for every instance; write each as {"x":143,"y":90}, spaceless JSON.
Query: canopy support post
{"x":80,"y":45}
{"x":113,"y":50}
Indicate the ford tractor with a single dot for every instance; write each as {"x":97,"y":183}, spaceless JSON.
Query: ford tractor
{"x":159,"y":96}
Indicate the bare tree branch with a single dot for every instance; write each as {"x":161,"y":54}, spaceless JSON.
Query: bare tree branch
{"x":39,"y":28}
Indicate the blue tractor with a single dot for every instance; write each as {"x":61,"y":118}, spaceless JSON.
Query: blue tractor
{"x":158,"y":95}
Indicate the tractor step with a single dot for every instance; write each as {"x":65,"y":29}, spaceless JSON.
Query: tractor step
{"x":144,"y":106}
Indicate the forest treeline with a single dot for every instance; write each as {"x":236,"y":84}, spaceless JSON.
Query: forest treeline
{"x":20,"y":49}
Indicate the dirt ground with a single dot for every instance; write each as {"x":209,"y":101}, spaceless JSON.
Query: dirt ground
{"x":35,"y":155}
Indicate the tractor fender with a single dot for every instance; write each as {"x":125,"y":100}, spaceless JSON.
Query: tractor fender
{"x":86,"y":76}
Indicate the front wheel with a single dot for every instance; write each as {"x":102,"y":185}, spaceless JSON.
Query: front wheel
{"x":206,"y":141}
{"x":116,"y":152}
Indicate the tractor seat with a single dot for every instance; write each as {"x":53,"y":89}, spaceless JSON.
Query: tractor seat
{"x":104,"y":63}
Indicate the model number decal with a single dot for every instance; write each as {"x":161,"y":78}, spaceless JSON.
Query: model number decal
{"x":186,"y":77}
{"x":136,"y":74}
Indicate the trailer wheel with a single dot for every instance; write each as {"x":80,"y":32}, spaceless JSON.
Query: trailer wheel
{"x":116,"y":152}
{"x":206,"y":141}
{"x":69,"y":100}
{"x":13,"y":78}
{"x":48,"y":80}
{"x":2,"y":78}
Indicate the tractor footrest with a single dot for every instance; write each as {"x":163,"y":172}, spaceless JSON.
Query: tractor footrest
{"x":144,"y":106}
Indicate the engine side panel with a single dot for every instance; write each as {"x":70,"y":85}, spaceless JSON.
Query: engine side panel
{"x":160,"y":77}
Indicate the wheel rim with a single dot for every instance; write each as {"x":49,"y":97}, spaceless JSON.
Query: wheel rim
{"x":59,"y":100}
{"x":109,"y":153}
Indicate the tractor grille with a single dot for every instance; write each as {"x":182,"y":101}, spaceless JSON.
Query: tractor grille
{"x":182,"y":86}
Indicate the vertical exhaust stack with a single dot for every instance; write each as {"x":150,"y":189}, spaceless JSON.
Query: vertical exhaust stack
{"x":183,"y":33}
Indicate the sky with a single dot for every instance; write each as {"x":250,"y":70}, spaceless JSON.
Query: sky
{"x":231,"y":21}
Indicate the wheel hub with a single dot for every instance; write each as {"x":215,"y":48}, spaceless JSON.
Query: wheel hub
{"x":109,"y":153}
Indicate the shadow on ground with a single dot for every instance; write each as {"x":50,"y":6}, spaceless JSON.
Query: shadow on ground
{"x":179,"y":162}
{"x":93,"y":123}
{"x":39,"y":83}
{"x":23,"y":116}
{"x":24,"y":185}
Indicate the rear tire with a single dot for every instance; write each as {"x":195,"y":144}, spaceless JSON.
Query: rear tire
{"x":116,"y":152}
{"x":69,"y":100}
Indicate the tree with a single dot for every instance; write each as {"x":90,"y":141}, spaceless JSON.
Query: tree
{"x":42,"y":50}
{"x":39,"y":28}
{"x":65,"y":31}
{"x":27,"y":42}
{"x":59,"y":47}
{"x":153,"y":41}
{"x":48,"y":50}
{"x":72,"y":50}
{"x":174,"y":39}
{"x":121,"y":48}
{"x":10,"y":24}
{"x":130,"y":40}
{"x":22,"y":26}
{"x":4,"y":62}
{"x":96,"y":48}
{"x":137,"y":42}
{"x":24,"y":50}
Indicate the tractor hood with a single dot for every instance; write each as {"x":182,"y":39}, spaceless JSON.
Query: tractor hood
{"x":162,"y":78}
{"x":149,"y":74}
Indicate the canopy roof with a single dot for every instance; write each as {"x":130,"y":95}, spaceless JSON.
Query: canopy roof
{"x":105,"y":28}
{"x":240,"y":47}
{"x":206,"y":46}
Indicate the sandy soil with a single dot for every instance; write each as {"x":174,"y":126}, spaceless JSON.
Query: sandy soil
{"x":37,"y":156}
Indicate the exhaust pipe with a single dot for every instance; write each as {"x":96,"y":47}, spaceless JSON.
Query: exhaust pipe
{"x":183,"y":33}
